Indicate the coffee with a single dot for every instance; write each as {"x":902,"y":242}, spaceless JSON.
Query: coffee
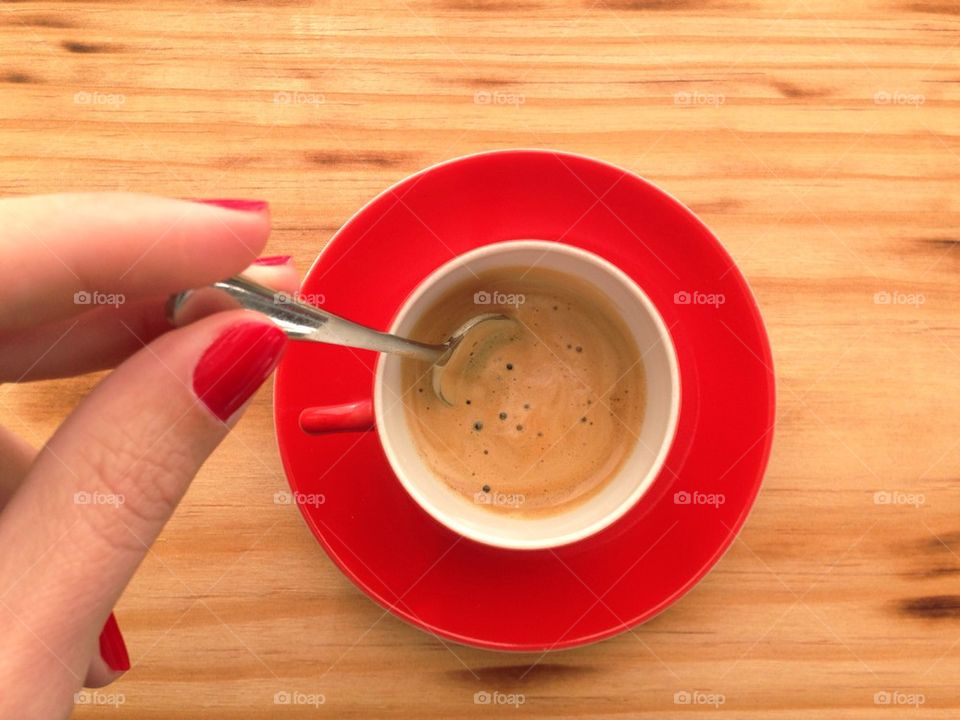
{"x":543,"y":416}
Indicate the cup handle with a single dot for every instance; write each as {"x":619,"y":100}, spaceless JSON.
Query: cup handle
{"x":347,"y":417}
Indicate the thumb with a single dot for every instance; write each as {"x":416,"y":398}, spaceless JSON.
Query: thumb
{"x":103,"y":487}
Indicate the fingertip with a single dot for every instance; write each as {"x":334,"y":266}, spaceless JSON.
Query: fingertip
{"x":236,"y":364}
{"x":277,"y":272}
{"x":113,"y":648}
{"x":100,"y":675}
{"x":246,"y":224}
{"x":257,"y":206}
{"x":271,"y":260}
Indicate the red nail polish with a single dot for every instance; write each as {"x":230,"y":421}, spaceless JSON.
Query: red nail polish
{"x":236,"y":364}
{"x":113,"y":649}
{"x":230,"y":204}
{"x":273,"y":260}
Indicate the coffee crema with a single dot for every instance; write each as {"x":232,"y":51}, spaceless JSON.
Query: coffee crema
{"x":544,"y":415}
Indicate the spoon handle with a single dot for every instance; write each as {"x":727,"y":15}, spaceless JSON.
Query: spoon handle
{"x":298,"y":320}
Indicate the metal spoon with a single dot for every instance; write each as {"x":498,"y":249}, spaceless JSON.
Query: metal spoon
{"x":301,"y":321}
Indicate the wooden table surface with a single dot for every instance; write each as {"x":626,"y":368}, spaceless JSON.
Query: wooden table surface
{"x":819,"y":140}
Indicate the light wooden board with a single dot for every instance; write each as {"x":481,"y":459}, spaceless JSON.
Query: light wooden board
{"x":817,"y":139}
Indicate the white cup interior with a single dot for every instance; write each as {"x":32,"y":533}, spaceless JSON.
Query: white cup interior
{"x":636,"y":475}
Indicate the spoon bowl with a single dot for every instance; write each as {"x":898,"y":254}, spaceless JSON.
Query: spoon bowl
{"x":482,"y":328}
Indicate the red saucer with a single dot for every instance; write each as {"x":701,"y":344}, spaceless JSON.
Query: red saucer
{"x":580,"y":593}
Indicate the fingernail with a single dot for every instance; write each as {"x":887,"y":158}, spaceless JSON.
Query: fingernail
{"x":236,"y":364}
{"x":230,"y":204}
{"x":113,"y":649}
{"x":273,"y":260}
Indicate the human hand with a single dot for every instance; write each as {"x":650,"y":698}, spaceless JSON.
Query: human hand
{"x":85,"y":280}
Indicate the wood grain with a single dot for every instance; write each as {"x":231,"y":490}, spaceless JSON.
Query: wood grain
{"x":817,"y":139}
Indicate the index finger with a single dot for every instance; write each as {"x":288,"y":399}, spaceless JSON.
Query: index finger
{"x":60,"y":254}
